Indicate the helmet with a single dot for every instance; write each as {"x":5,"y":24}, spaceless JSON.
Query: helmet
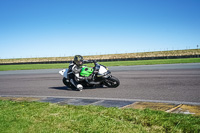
{"x":78,"y":60}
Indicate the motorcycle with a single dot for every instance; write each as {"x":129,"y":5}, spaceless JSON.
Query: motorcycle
{"x":100,"y":76}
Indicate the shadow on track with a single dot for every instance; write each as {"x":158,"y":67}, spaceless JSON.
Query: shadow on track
{"x":70,"y":89}
{"x":61,"y":88}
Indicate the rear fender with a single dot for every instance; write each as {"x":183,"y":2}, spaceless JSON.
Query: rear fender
{"x":63,"y":72}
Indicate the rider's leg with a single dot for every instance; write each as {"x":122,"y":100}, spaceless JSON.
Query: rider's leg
{"x":76,"y":84}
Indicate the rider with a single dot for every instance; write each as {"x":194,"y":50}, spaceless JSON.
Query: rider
{"x":76,"y":68}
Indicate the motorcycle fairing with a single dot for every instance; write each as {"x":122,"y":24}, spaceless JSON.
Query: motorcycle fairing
{"x":86,"y":71}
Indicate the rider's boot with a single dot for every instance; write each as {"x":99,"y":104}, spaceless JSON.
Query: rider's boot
{"x":79,"y":87}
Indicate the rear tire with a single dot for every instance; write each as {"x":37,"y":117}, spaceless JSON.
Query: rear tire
{"x":68,"y":84}
{"x":112,"y":82}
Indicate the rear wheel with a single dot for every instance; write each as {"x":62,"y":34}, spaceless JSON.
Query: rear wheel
{"x":112,"y":82}
{"x":67,"y":83}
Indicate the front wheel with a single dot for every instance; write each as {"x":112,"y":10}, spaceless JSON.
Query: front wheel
{"x":112,"y":82}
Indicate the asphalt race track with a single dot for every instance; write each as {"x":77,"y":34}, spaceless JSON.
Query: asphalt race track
{"x":175,"y":82}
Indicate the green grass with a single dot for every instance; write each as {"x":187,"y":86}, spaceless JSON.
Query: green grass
{"x":32,"y":66}
{"x":152,"y":62}
{"x":34,"y":117}
{"x":114,"y":63}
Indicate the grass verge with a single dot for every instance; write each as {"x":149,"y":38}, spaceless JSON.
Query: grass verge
{"x":114,"y":63}
{"x":46,"y":117}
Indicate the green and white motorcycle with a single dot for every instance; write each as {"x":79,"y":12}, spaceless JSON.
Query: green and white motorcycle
{"x":101,"y":76}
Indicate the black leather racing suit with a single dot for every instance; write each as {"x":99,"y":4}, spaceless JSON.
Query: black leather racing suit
{"x":74,"y":74}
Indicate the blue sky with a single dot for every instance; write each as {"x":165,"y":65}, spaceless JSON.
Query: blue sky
{"x":54,"y":28}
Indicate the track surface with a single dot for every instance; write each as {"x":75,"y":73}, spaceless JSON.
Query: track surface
{"x":175,"y":82}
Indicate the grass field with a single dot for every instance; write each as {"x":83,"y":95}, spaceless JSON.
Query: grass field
{"x":114,"y":63}
{"x":34,"y":117}
{"x":109,"y":56}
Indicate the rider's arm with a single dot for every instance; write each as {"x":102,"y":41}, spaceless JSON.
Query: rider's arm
{"x":76,"y":72}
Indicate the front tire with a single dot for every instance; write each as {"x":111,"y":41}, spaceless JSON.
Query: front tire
{"x":112,"y":82}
